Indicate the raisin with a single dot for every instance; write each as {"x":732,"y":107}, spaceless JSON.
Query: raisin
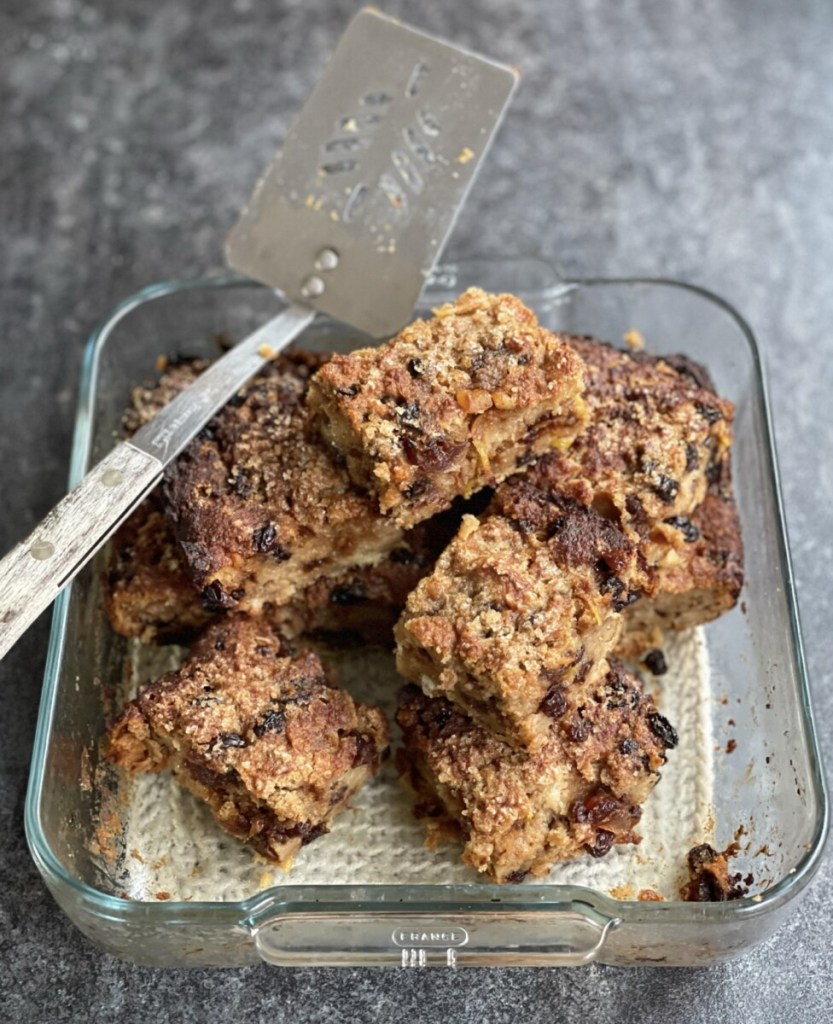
{"x":219,"y":645}
{"x":714,"y":471}
{"x":434,"y":453}
{"x":515,"y":877}
{"x":309,"y":831}
{"x":596,"y":807}
{"x":417,"y":488}
{"x":666,"y":488}
{"x":554,"y":703}
{"x":614,"y":586}
{"x":709,"y":413}
{"x":556,"y":526}
{"x":280,"y":554}
{"x":264,"y":538}
{"x":366,"y":751}
{"x":349,"y":392}
{"x":524,"y":359}
{"x":692,"y":457}
{"x":685,"y":526}
{"x":216,"y":599}
{"x":348,"y":593}
{"x":634,"y":506}
{"x":272,"y":721}
{"x":232,"y":739}
{"x":579,"y":729}
{"x":442,"y":717}
{"x":663,"y":730}
{"x":241,"y":485}
{"x":655,"y":662}
{"x":409,"y":414}
{"x":416,"y":367}
{"x":236,"y":400}
{"x":628,"y":747}
{"x":602,"y":843}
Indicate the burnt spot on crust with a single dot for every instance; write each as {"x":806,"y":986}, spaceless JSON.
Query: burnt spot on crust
{"x":216,"y":598}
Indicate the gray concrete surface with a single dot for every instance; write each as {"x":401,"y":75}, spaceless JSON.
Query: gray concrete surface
{"x":688,"y":138}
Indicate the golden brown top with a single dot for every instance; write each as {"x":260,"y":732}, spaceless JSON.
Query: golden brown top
{"x":418,"y":404}
{"x":655,"y":436}
{"x":612,"y":744}
{"x":243,"y":705}
{"x":499,"y":614}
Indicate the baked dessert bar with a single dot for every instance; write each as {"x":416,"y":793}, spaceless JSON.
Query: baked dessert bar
{"x":518,"y":813}
{"x":656,"y":435}
{"x":148,"y":592}
{"x":450,"y":404}
{"x":259,"y":509}
{"x":699,"y":575}
{"x":520,"y":607}
{"x":259,"y":733}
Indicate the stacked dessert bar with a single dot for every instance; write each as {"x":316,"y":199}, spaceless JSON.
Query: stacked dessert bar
{"x":518,"y":510}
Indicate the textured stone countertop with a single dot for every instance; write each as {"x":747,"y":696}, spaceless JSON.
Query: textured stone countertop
{"x":662,"y":137}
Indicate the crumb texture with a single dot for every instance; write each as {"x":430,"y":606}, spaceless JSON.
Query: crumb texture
{"x":260,"y":734}
{"x":450,"y":404}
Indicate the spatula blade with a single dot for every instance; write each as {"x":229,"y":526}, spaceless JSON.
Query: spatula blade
{"x":354,"y":210}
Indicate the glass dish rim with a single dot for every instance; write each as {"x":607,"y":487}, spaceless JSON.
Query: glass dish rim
{"x":415,"y":898}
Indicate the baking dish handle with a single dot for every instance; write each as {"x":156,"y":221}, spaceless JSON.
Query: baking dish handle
{"x":565,"y":936}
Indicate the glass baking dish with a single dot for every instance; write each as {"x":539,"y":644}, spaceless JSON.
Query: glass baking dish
{"x":769,"y":796}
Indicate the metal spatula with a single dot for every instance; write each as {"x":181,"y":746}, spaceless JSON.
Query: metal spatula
{"x":349,"y":220}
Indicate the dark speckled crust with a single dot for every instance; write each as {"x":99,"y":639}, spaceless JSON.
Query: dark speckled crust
{"x":699,"y":574}
{"x":519,"y":813}
{"x":260,"y":509}
{"x":257,"y":732}
{"x":654,"y":437}
{"x":644,"y":138}
{"x":509,"y":612}
{"x":149,"y":592}
{"x":450,"y":404}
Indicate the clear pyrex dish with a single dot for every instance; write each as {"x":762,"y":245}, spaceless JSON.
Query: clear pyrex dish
{"x":769,"y":794}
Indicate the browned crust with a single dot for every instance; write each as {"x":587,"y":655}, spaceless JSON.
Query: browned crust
{"x":654,"y":440}
{"x":450,"y":404}
{"x":519,"y":813}
{"x":259,"y":509}
{"x":148,"y":592}
{"x":699,"y":574}
{"x":259,"y":733}
{"x":511,"y":611}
